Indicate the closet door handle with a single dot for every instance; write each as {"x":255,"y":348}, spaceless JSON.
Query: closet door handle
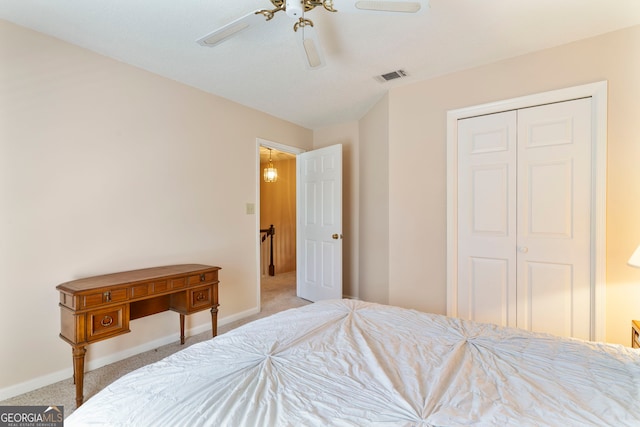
{"x":523,"y":249}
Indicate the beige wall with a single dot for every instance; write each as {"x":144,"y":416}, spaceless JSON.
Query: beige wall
{"x":105,"y":167}
{"x":373,"y":221}
{"x":417,"y":175}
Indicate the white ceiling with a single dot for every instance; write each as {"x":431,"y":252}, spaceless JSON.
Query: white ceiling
{"x":264,"y":70}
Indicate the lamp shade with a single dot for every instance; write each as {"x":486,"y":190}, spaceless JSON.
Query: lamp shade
{"x":634,"y":261}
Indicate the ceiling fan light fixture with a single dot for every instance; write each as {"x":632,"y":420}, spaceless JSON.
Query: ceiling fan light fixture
{"x":294,"y":8}
{"x":309,"y":43}
{"x":388,"y":6}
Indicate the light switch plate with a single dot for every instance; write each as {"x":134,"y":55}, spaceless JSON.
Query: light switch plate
{"x":251,"y":208}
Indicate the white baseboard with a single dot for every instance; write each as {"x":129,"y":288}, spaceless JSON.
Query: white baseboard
{"x":238,"y":316}
{"x":34,"y":384}
{"x":63,"y":374}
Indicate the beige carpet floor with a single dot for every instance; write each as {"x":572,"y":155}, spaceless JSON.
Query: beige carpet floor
{"x":278,"y":293}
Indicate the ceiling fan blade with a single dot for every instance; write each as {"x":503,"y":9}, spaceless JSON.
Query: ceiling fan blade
{"x":380,"y":6}
{"x":229,"y":30}
{"x":309,"y":44}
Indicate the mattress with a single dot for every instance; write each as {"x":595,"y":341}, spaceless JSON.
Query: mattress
{"x":352,"y":363}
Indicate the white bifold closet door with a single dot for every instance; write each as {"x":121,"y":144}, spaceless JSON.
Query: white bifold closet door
{"x":524,"y":218}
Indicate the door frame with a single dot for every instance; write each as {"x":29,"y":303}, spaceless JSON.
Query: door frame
{"x":598,"y":92}
{"x":280,"y":147}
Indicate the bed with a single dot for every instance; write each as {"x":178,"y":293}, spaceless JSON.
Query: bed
{"x":353,"y":363}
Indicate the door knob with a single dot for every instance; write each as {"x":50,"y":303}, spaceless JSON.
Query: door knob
{"x":336,"y":236}
{"x":523,"y":249}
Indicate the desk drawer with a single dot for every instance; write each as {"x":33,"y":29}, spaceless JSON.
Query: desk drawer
{"x":200,"y":298}
{"x":202,"y":278}
{"x":107,"y":322}
{"x":159,"y":286}
{"x":115,"y":295}
{"x":192,"y":300}
{"x":140,"y":290}
{"x":178,"y":283}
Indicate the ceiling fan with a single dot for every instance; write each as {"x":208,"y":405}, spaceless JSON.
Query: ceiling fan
{"x":308,"y":40}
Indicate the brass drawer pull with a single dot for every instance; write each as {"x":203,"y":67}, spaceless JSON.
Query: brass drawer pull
{"x":200,"y":296}
{"x":106,"y":321}
{"x":203,"y":278}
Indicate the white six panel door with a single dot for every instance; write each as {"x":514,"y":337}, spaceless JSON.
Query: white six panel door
{"x":554,"y":218}
{"x":524,"y":213}
{"x":487,"y":218}
{"x":319,"y":230}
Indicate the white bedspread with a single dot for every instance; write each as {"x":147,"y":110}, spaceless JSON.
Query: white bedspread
{"x":350,"y":363}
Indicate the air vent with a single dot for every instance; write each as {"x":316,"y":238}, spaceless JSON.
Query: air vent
{"x":391,"y":76}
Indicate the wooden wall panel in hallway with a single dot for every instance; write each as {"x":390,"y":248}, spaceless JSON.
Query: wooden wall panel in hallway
{"x":278,"y":207}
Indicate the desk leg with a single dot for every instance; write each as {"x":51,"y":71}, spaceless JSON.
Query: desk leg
{"x":214,"y":320}
{"x":182,"y":329}
{"x":78,"y":372}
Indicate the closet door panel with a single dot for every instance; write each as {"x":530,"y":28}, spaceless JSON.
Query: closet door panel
{"x":486,"y":220}
{"x":549,"y":211}
{"x":554,"y":218}
{"x":547,"y":289}
{"x":489,"y":290}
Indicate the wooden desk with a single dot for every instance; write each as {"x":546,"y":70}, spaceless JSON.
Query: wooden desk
{"x":96,"y":308}
{"x":635,"y":333}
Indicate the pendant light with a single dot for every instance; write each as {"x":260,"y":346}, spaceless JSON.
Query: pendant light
{"x":270,"y":173}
